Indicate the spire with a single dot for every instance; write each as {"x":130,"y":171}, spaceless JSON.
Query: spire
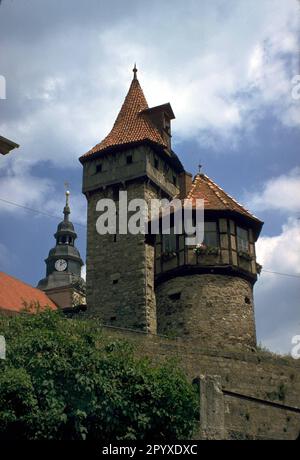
{"x":134,"y":70}
{"x":67,"y":211}
{"x":65,"y":233}
{"x":132,"y":124}
{"x":64,"y":257}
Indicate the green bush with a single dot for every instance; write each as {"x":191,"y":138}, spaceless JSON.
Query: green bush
{"x":63,"y":380}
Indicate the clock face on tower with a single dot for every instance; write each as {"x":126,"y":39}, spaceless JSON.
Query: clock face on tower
{"x":61,"y":265}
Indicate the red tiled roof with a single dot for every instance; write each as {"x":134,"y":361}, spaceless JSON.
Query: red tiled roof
{"x":132,"y":124}
{"x":13,"y":294}
{"x":214,"y":196}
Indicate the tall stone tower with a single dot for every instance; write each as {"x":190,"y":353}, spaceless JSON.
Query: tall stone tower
{"x":135,"y":157}
{"x":63,"y":282}
{"x":157,"y":283}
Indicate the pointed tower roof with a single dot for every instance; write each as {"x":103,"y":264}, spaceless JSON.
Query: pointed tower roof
{"x":216,"y":199}
{"x":132,"y":125}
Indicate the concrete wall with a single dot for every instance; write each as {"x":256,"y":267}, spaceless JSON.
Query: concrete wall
{"x":215,"y":309}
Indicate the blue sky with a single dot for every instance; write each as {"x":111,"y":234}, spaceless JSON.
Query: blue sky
{"x":225,"y":66}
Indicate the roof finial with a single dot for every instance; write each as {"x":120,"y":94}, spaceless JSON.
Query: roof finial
{"x":199,"y":167}
{"x":67,"y":208}
{"x":67,"y":197}
{"x":134,"y":70}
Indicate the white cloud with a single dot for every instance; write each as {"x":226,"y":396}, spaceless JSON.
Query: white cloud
{"x":221,"y":66}
{"x":40,"y":194}
{"x":256,"y":62}
{"x":83,"y":272}
{"x":281,"y":252}
{"x":25,"y":190}
{"x":221,"y":72}
{"x":278,"y":193}
{"x":277,"y":296}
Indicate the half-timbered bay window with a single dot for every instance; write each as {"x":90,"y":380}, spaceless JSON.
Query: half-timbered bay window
{"x":242,"y":240}
{"x":211,"y":237}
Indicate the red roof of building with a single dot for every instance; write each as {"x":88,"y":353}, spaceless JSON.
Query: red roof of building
{"x":214,"y":197}
{"x":132,"y":125}
{"x":14,"y":294}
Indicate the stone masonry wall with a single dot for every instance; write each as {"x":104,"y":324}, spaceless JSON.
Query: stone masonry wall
{"x":120,"y":270}
{"x":271,"y":384}
{"x":216,"y":309}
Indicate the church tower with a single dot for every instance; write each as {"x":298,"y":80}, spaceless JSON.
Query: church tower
{"x":135,"y":157}
{"x":63,"y":282}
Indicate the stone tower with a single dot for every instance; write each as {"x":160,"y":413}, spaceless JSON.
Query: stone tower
{"x":135,"y":157}
{"x":206,"y":292}
{"x":63,"y":282}
{"x":198,"y":299}
{"x":157,"y":283}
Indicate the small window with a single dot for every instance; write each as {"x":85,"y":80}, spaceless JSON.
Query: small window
{"x":99,"y":168}
{"x":115,"y":281}
{"x":129,"y":159}
{"x":113,"y":318}
{"x":169,"y":243}
{"x":156,"y":163}
{"x":210,"y":234}
{"x":175,"y":296}
{"x":242,"y":239}
{"x":174,"y":180}
{"x":167,"y":126}
{"x":115,"y":193}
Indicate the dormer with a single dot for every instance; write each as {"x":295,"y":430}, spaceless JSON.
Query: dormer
{"x":161,"y":117}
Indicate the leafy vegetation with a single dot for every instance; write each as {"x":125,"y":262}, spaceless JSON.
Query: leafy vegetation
{"x":63,"y":380}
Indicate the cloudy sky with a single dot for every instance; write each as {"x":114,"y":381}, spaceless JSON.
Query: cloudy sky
{"x":229,"y":69}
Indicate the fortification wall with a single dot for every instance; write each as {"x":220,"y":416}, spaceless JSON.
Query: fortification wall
{"x":260,"y":393}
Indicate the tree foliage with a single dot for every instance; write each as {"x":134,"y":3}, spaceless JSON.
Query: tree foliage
{"x":63,"y":380}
